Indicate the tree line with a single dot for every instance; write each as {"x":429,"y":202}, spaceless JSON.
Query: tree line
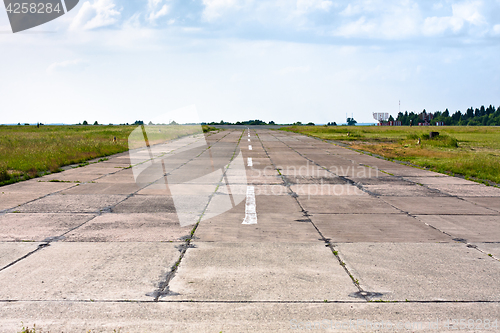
{"x":483,"y":116}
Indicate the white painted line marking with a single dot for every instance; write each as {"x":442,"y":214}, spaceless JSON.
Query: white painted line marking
{"x":250,"y":207}
{"x":248,"y":140}
{"x":249,"y":161}
{"x":249,"y":147}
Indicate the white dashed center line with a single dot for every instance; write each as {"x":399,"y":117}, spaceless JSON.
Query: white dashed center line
{"x":250,"y":207}
{"x":249,"y":161}
{"x":249,"y":147}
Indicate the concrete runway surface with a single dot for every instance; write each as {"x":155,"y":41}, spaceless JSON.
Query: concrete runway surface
{"x":249,"y":230}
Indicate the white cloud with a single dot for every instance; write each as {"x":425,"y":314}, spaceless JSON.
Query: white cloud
{"x":469,"y":11}
{"x":462,"y":13}
{"x":271,"y":11}
{"x":438,"y":25}
{"x":65,"y":65}
{"x":216,"y":8}
{"x":94,"y":15}
{"x":496,"y":29}
{"x":156,"y":10}
{"x":350,"y":10}
{"x":308,"y":5}
{"x":380,"y":20}
{"x":393,"y":20}
{"x":356,"y":28}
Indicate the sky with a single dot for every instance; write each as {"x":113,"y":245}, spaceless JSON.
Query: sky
{"x":284,"y":60}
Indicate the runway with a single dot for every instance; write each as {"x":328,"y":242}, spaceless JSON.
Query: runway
{"x":248,"y":230}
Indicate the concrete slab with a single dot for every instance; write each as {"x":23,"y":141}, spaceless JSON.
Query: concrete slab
{"x":406,"y":171}
{"x":73,"y":175}
{"x":353,"y":171}
{"x":103,"y":188}
{"x":192,"y":189}
{"x":264,"y":172}
{"x":270,"y":190}
{"x":381,"y":179}
{"x":61,"y":203}
{"x":260,"y":271}
{"x":38,"y":226}
{"x":140,"y":227}
{"x":228,"y":227}
{"x":145,"y":204}
{"x":10,"y":252}
{"x":476,"y":190}
{"x":37,"y":187}
{"x":327,"y":179}
{"x":12,"y":200}
{"x":89,"y":271}
{"x":135,"y":317}
{"x":95,"y":169}
{"x":352,"y":204}
{"x":303,"y":170}
{"x":441,"y":180}
{"x":436,"y":206}
{"x":473,"y":228}
{"x":326,"y":189}
{"x":418,"y":272}
{"x":376,"y":228}
{"x":492,"y":203}
{"x":159,"y":188}
{"x":265,"y":204}
{"x":490,"y":248}
{"x":392,"y":190}
{"x":125,"y":176}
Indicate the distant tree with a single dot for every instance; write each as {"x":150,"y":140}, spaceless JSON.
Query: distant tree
{"x":173,"y":123}
{"x":490,"y":109}
{"x":272,"y":123}
{"x":391,"y":118}
{"x":255,"y":122}
{"x":138,"y":122}
{"x":482,"y":111}
{"x":311,"y":124}
{"x":85,"y":122}
{"x":96,"y":123}
{"x":470,"y":113}
{"x":298,"y":123}
{"x":150,"y":123}
{"x":351,"y":122}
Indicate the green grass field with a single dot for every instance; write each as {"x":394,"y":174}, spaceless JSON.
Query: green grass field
{"x":473,"y":152}
{"x":28,"y":151}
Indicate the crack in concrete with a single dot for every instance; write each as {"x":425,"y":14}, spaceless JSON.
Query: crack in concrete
{"x":249,"y":301}
{"x":163,"y":288}
{"x":108,"y":209}
{"x":362,"y":293}
{"x":40,"y":246}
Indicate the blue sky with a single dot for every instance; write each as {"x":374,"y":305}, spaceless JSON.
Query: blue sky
{"x":284,"y":60}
